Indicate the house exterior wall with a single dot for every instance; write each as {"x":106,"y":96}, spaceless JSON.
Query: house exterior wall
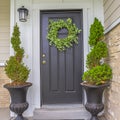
{"x":4,"y":95}
{"x":30,"y":34}
{"x":4,"y":30}
{"x":112,"y":96}
{"x":112,"y":30}
{"x":4,"y":49}
{"x":111,"y":13}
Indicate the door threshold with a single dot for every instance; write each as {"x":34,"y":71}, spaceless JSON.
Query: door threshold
{"x":61,"y":112}
{"x":69,"y":106}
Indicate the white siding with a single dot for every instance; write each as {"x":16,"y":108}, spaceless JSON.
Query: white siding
{"x":4,"y":30}
{"x":43,"y":1}
{"x":111,"y":12}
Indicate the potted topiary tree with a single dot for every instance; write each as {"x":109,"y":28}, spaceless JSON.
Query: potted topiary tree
{"x":18,"y":73}
{"x":98,"y":73}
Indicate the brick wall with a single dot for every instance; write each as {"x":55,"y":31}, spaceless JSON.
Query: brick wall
{"x":4,"y":95}
{"x":112,"y":96}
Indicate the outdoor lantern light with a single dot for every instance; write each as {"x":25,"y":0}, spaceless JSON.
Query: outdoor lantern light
{"x":23,"y":13}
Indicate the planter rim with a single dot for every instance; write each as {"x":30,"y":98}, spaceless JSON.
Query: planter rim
{"x":95,"y":86}
{"x":28,"y":84}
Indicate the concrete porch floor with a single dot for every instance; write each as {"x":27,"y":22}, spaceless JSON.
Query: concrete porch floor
{"x":5,"y":115}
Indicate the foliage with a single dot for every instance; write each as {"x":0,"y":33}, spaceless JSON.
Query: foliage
{"x":15,"y":68}
{"x":99,"y":51}
{"x":98,"y":75}
{"x":98,"y":72}
{"x":96,"y":32}
{"x":62,"y":43}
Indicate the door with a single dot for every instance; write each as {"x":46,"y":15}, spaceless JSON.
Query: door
{"x":61,"y":71}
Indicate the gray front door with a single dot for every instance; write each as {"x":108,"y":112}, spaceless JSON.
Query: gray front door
{"x":61,"y":71}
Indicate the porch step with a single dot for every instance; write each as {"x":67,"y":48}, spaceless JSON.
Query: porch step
{"x":60,"y":112}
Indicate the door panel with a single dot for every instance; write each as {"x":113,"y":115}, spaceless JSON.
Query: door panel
{"x":61,"y":74}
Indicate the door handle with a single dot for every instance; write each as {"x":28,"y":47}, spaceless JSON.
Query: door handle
{"x":44,"y":62}
{"x":43,"y":55}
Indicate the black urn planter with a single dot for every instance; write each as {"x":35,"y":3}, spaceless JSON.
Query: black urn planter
{"x":18,"y":99}
{"x":94,"y":96}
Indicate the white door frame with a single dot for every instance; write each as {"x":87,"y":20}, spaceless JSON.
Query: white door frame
{"x":36,"y":37}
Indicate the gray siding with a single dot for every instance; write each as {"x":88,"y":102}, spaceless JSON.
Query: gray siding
{"x":4,"y":29}
{"x":111,"y":12}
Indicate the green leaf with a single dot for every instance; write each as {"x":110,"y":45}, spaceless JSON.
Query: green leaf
{"x":63,"y":43}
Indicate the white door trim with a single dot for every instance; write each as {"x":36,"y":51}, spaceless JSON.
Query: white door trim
{"x":36,"y":40}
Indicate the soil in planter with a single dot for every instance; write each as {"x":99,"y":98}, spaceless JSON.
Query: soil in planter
{"x":18,"y":84}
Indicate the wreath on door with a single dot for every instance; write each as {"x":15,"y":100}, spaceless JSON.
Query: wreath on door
{"x":62,"y":43}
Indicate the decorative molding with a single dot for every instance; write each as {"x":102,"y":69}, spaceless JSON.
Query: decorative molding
{"x":113,"y":25}
{"x":12,"y":20}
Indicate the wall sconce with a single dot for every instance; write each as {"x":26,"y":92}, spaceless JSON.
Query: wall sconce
{"x":23,"y":13}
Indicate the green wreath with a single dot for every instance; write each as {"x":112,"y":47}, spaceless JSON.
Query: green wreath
{"x":62,"y":43}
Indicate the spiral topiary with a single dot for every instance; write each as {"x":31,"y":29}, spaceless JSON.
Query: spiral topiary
{"x":14,"y":67}
{"x":98,"y":72}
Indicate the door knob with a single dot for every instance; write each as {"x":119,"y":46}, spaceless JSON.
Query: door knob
{"x":43,"y":55}
{"x":43,"y":62}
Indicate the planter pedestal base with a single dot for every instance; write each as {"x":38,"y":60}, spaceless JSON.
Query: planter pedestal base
{"x":20,"y":117}
{"x":94,"y":109}
{"x":19,"y":108}
{"x":94,"y":118}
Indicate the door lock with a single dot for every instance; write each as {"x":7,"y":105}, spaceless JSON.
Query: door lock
{"x":44,"y":62}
